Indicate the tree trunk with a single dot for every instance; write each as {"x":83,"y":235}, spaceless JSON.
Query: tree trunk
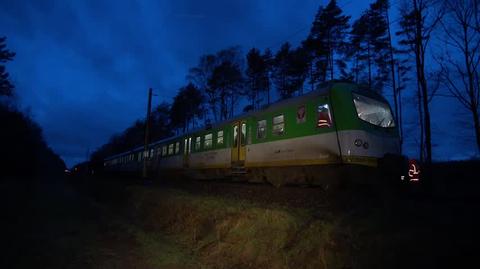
{"x":392,"y":70}
{"x":420,"y":118}
{"x":420,"y":61}
{"x":369,"y":61}
{"x":476,"y":124}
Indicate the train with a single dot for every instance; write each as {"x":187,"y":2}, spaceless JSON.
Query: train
{"x":340,"y":130}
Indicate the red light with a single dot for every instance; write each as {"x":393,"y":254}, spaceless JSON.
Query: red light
{"x":413,"y":171}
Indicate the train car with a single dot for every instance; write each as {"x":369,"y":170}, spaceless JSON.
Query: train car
{"x":340,"y":129}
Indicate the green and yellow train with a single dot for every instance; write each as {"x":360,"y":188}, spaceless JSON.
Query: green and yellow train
{"x":339,"y":129}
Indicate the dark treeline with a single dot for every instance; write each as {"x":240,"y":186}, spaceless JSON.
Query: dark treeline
{"x":336,"y":48}
{"x":24,"y":152}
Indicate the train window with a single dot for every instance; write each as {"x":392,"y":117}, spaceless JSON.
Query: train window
{"x":197,"y":143}
{"x":189,"y":145}
{"x":185,"y":146}
{"x":373,"y":111}
{"x":177,"y":147}
{"x":278,"y":125}
{"x":301,"y":114}
{"x":243,"y":134}
{"x":220,"y":137}
{"x":170,"y":149}
{"x":164,"y":151}
{"x":151,"y":153}
{"x":208,"y":141}
{"x":262,"y":129}
{"x":324,"y":119}
{"x":235,"y":136}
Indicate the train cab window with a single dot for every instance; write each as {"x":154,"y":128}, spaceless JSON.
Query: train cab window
{"x":164,"y":151}
{"x":220,"y":137}
{"x":373,"y":111}
{"x":324,"y":118}
{"x":197,"y":143}
{"x":278,"y":125}
{"x":177,"y":147}
{"x":262,"y":129}
{"x":170,"y":149}
{"x":208,"y":141}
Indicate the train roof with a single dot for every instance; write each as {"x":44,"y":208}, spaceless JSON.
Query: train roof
{"x":322,"y":89}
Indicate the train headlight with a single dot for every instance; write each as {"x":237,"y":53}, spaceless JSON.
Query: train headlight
{"x":358,"y":142}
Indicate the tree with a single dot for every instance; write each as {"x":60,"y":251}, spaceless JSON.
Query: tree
{"x":329,"y":31}
{"x":290,"y":70}
{"x":227,"y":81}
{"x":200,"y":76}
{"x":161,"y":122}
{"x":186,"y":106}
{"x":369,"y":46}
{"x":418,"y":20}
{"x":6,"y":87}
{"x":461,"y":74}
{"x":257,"y":71}
{"x":268,"y":59}
{"x":280,"y":71}
{"x":317,"y":61}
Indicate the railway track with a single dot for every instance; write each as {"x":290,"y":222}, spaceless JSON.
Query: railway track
{"x":297,"y":196}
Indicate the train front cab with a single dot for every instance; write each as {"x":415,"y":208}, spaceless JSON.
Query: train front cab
{"x":368,"y":137}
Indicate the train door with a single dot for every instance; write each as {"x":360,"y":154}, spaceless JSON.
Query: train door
{"x":187,"y":149}
{"x":239,"y":142}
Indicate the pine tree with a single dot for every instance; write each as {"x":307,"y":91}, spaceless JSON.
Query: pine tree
{"x":255,"y":74}
{"x":227,"y":80}
{"x":280,"y":71}
{"x":369,"y":47}
{"x":6,"y":87}
{"x":329,"y":31}
{"x":268,"y":59}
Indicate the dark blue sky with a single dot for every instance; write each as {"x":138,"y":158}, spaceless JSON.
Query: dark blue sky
{"x":83,"y":67}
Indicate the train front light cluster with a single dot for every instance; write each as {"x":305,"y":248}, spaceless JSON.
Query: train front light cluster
{"x":360,"y":143}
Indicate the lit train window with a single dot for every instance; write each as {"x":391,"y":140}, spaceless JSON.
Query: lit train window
{"x":164,"y":151}
{"x":262,"y":129}
{"x":235,"y":136}
{"x":278,"y":125}
{"x":324,"y":119}
{"x":189,"y":145}
{"x":170,"y":149}
{"x":177,"y":147}
{"x":185,"y":146}
{"x":151,"y":153}
{"x":243,"y":134}
{"x":197,"y":143}
{"x":208,"y":141}
{"x":220,"y":137}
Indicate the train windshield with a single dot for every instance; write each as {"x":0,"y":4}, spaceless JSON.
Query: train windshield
{"x":373,"y":111}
